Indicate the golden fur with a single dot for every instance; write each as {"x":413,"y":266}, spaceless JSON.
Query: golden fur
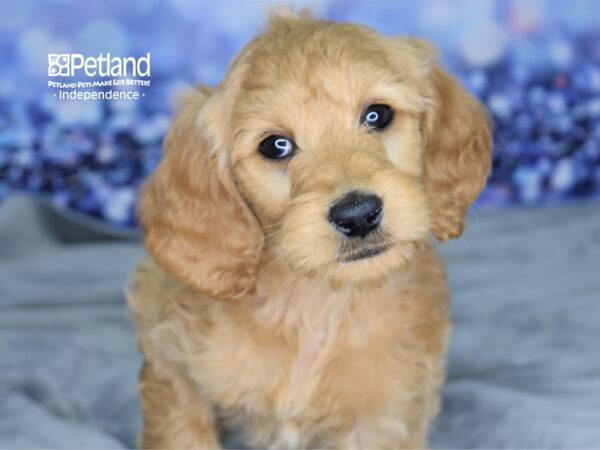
{"x":247,"y":317}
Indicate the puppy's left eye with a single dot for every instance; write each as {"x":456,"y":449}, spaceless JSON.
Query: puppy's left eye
{"x":276,"y":147}
{"x":378,"y":116}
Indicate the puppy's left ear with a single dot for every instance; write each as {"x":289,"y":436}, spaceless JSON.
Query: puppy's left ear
{"x":457,"y":153}
{"x":457,"y":134}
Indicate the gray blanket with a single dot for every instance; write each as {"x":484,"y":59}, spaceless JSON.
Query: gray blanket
{"x":524,"y":364}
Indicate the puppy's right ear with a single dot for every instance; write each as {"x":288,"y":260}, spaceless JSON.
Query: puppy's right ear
{"x":196,"y":224}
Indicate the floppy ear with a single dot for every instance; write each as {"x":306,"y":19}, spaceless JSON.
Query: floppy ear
{"x":196,"y":225}
{"x":457,"y":152}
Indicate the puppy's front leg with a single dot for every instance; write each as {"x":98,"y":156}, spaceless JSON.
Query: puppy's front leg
{"x":404,"y":422}
{"x":175,"y":414}
{"x":382,"y":433}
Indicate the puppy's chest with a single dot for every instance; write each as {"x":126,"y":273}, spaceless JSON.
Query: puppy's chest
{"x":323,"y":370}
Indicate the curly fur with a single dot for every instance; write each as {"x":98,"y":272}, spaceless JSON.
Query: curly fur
{"x":247,"y":316}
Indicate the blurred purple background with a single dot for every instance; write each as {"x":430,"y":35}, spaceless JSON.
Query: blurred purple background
{"x":536,"y":64}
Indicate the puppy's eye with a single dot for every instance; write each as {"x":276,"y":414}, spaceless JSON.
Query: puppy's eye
{"x":276,"y":147}
{"x":378,"y":116}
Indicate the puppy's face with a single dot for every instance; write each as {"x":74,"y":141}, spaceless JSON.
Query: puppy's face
{"x":338,"y":148}
{"x":328,"y":150}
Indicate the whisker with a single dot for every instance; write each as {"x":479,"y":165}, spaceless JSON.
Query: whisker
{"x":278,"y":258}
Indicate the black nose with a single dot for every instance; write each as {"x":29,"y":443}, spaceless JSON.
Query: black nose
{"x":356,"y":214}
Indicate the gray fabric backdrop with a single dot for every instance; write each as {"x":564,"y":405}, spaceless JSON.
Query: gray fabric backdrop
{"x":524,"y":364}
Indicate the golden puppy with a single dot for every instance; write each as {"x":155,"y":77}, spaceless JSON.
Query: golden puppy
{"x":291,"y":293}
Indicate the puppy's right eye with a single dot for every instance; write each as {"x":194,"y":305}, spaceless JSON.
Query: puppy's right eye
{"x":276,"y":147}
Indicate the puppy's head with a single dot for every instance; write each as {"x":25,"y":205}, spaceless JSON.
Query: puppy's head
{"x":339,"y":149}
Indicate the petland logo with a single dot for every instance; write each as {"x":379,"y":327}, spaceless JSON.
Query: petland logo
{"x":117,"y":77}
{"x":68,"y":64}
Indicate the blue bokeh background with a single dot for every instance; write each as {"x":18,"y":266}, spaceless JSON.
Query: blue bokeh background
{"x":536,"y":64}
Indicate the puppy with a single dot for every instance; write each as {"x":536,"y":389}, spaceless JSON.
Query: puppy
{"x":291,"y":294}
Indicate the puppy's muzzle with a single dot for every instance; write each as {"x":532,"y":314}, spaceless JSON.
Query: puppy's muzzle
{"x":356,"y":214}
